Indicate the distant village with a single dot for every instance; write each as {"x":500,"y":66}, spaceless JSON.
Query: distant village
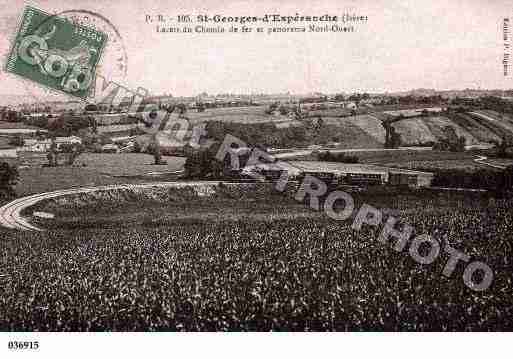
{"x":73,"y":126}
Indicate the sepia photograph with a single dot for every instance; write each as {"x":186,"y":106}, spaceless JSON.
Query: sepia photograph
{"x":255,"y":167}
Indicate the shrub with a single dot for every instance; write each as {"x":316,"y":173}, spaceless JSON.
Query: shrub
{"x":8,"y":179}
{"x":17,"y":141}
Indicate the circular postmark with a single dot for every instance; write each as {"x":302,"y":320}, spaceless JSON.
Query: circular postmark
{"x":115,"y":59}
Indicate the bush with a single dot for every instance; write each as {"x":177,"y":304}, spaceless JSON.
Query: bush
{"x":17,"y":141}
{"x":336,"y":157}
{"x":8,"y":179}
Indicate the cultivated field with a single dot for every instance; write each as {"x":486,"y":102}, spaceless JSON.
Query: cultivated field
{"x":414,"y":132}
{"x":252,"y":114}
{"x":412,"y":112}
{"x":347,"y":134}
{"x":169,"y":266}
{"x":370,"y":125}
{"x":437,"y":124}
{"x":429,"y":160}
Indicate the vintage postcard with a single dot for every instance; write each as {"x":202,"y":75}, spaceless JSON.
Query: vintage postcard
{"x":255,"y":166}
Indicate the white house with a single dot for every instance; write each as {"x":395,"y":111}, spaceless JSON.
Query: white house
{"x":33,"y":145}
{"x":351,"y":105}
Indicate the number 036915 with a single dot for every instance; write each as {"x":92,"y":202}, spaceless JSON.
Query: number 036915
{"x":19,"y":345}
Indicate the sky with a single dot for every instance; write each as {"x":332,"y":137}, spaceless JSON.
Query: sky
{"x":405,"y":44}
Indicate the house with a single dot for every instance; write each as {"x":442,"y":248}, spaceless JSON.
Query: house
{"x":350,"y":105}
{"x":110,"y":148}
{"x":34,"y":145}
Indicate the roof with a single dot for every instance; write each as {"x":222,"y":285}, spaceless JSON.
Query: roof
{"x":63,"y":139}
{"x":298,"y":167}
{"x":32,"y":141}
{"x":337,"y":167}
{"x":276,"y":166}
{"x":109,"y":145}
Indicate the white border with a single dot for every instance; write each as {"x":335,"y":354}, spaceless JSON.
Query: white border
{"x":262,"y":345}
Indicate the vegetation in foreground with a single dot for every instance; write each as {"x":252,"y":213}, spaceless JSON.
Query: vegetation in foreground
{"x":256,"y":272}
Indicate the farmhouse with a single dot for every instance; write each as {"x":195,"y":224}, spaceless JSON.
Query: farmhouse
{"x":343,"y":173}
{"x":33,"y":145}
{"x":107,"y":119}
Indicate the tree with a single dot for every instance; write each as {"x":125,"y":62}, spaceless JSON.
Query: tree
{"x":72,"y":151}
{"x":392,"y":137}
{"x":395,"y":138}
{"x":52,"y":154}
{"x":182,"y":108}
{"x":17,"y":141}
{"x":13,"y":116}
{"x":339,"y":97}
{"x":91,"y":108}
{"x":503,"y":148}
{"x":451,"y":141}
{"x":336,"y":157}
{"x":94,"y":124}
{"x":272,"y":107}
{"x":507,"y":180}
{"x":203,"y":164}
{"x":8,"y":179}
{"x":137,"y":147}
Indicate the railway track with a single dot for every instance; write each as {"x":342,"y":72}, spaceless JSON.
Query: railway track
{"x":11,"y":217}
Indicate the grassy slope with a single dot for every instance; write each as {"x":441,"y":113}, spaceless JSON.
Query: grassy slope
{"x":494,"y":127}
{"x":436,"y":125}
{"x":252,"y":114}
{"x":413,"y":131}
{"x":370,"y":125}
{"x":480,"y":132}
{"x":500,"y":123}
{"x":347,"y":134}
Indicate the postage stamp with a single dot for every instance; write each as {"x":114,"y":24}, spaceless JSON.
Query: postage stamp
{"x":56,"y":53}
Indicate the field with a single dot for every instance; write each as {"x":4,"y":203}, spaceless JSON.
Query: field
{"x":414,"y":159}
{"x":253,"y":114}
{"x":370,"y":125}
{"x":15,"y":125}
{"x":128,"y":164}
{"x":100,"y":169}
{"x":168,"y":266}
{"x":348,"y":134}
{"x":429,"y":160}
{"x":497,"y":120}
{"x":475,"y":127}
{"x":412,"y":112}
{"x":436,"y":125}
{"x":414,"y":132}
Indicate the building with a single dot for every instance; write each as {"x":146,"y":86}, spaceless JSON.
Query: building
{"x":34,"y":145}
{"x":335,"y":173}
{"x":110,"y":148}
{"x":107,"y":119}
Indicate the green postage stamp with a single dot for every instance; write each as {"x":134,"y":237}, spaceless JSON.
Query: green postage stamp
{"x":56,"y":53}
